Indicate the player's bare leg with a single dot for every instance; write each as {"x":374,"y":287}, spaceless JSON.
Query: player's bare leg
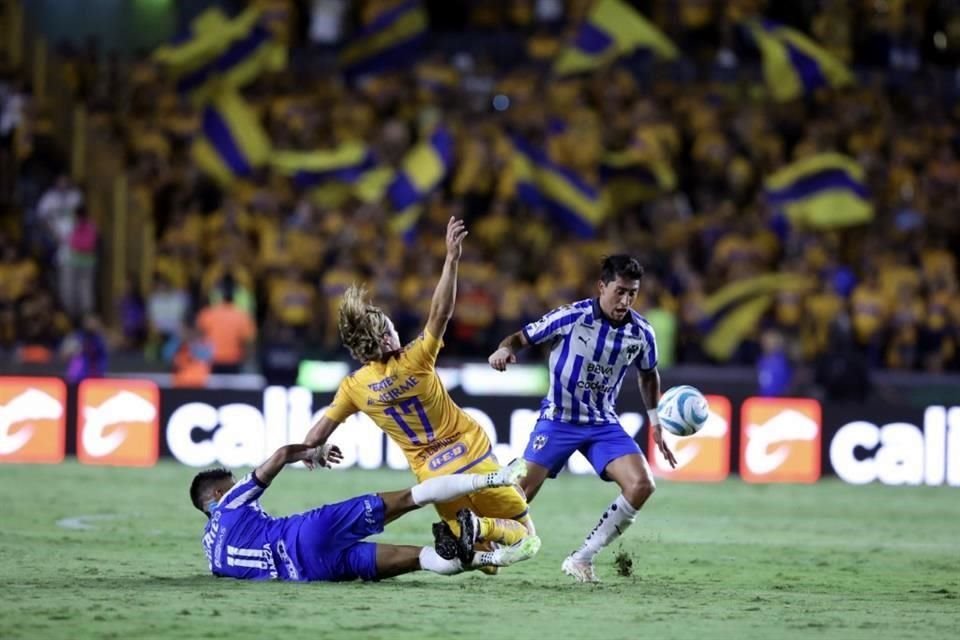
{"x":396,"y":504}
{"x":633,"y":475}
{"x":394,"y":560}
{"x":531,"y":483}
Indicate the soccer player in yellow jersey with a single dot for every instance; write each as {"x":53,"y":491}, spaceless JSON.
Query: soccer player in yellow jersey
{"x":398,"y":387}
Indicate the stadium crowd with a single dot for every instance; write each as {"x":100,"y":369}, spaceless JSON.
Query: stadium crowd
{"x":887,"y":289}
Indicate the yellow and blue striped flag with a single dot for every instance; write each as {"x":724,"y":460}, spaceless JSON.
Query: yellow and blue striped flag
{"x":733,"y":312}
{"x":310,"y":169}
{"x":422,"y":170}
{"x":232,"y":143}
{"x":793,"y":64}
{"x":209,"y":35}
{"x":629,"y":179}
{"x":612,"y":29}
{"x":239,"y":65}
{"x":822,"y":191}
{"x":574,"y":204}
{"x":222,"y":54}
{"x":393,"y":39}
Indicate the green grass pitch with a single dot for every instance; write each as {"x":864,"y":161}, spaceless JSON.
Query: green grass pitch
{"x":710,"y":561}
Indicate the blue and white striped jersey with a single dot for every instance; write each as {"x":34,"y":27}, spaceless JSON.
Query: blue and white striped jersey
{"x":588,"y":359}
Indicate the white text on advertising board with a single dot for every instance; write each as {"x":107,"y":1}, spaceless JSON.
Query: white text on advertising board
{"x":242,"y":435}
{"x":900,"y":452}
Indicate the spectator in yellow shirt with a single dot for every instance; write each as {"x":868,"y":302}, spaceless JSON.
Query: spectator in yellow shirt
{"x":293,"y":300}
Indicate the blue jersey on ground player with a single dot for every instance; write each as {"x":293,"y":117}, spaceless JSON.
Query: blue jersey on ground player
{"x":241,"y":541}
{"x":593,"y":343}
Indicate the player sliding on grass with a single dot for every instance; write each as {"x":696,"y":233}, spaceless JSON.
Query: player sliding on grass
{"x":398,"y":387}
{"x":241,"y":541}
{"x":593,"y":343}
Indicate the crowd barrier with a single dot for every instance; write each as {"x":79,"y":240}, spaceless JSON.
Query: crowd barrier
{"x":133,"y":422}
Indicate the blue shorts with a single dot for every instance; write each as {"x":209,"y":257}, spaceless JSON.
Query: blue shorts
{"x":329,"y":543}
{"x":552,"y":443}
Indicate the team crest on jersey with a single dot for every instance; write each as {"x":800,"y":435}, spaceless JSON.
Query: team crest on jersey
{"x":632,"y":350}
{"x":539,"y":442}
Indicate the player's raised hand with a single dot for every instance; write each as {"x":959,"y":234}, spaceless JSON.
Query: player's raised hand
{"x":500,"y":358}
{"x":456,"y":232}
{"x":664,"y":449}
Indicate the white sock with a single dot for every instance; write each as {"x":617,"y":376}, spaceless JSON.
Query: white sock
{"x":484,"y":559}
{"x":446,"y":488}
{"x":614,"y":521}
{"x":430,"y":561}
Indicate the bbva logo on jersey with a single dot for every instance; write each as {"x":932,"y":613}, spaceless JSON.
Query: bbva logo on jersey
{"x":780,"y":440}
{"x":118,"y":422}
{"x":33,"y":421}
{"x":704,"y":457}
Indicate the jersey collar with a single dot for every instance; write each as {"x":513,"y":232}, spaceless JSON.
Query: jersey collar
{"x":598,"y":313}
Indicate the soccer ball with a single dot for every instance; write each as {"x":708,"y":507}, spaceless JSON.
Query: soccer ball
{"x":683,"y":410}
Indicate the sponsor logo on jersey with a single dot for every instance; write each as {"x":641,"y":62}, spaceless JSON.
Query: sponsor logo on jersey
{"x":118,"y":422}
{"x":442,"y":459}
{"x":780,"y":440}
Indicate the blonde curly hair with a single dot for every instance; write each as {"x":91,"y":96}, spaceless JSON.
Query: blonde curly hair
{"x":362,"y":325}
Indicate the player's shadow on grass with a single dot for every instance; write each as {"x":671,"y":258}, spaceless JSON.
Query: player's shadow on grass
{"x":205,"y":580}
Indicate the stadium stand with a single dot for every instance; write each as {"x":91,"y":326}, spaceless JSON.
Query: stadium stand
{"x":826,"y":216}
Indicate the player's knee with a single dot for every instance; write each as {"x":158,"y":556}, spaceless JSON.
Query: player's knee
{"x":406,"y":500}
{"x":639,"y":489}
{"x":397,"y":502}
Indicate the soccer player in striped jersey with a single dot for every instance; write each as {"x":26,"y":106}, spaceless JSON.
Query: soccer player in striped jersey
{"x":326,"y":544}
{"x":593,"y":343}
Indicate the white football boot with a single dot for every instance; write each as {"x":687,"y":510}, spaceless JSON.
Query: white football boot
{"x":504,"y":556}
{"x":579,"y":570}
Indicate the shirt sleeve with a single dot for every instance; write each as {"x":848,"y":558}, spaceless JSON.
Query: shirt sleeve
{"x":343,"y":405}
{"x":558,"y":322}
{"x":248,"y":490}
{"x":647,"y":359}
{"x":421,"y":354}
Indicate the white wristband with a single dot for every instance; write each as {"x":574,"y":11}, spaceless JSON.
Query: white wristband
{"x":654,"y":417}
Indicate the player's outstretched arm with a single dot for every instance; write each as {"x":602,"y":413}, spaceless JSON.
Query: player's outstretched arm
{"x":317,"y":438}
{"x":445,"y":295}
{"x":650,"y":392}
{"x":556,"y":323}
{"x":506,"y":352}
{"x":290,"y":453}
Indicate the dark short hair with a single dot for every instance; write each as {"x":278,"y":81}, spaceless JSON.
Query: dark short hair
{"x":620,"y":265}
{"x":203,"y":482}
